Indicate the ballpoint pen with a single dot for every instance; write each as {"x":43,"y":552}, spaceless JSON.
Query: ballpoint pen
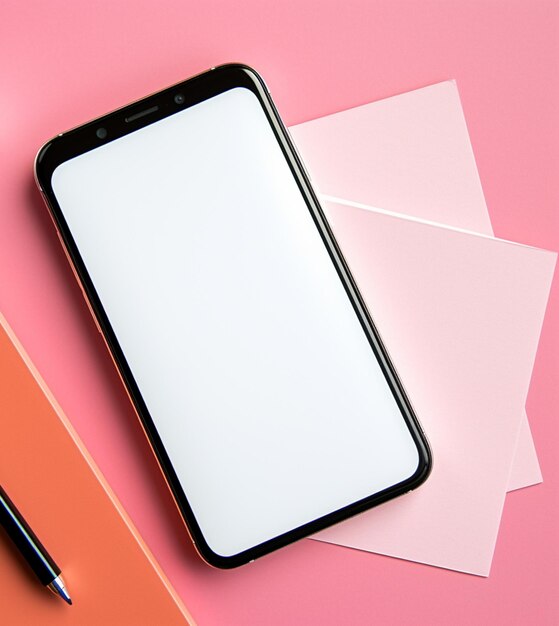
{"x":30,"y":547}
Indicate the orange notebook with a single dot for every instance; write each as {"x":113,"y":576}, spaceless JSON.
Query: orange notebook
{"x":46,"y":470}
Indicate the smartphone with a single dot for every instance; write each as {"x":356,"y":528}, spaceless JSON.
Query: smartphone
{"x":210,"y":269}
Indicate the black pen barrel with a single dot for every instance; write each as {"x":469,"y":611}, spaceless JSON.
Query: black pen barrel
{"x":26,"y":541}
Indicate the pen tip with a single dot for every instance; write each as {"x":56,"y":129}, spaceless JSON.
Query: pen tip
{"x":58,"y":587}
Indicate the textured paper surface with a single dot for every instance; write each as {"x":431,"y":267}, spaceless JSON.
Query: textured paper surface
{"x":410,"y":154}
{"x":460,"y":315}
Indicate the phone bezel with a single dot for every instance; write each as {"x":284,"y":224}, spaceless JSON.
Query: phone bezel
{"x":197,"y":89}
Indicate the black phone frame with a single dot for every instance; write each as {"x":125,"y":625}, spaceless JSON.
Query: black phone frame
{"x":129,"y":119}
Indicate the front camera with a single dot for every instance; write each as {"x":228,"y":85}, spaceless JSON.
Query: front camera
{"x":180,"y":99}
{"x":101,"y":133}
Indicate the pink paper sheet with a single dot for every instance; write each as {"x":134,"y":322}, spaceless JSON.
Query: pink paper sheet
{"x":461,"y":316}
{"x":410,"y":154}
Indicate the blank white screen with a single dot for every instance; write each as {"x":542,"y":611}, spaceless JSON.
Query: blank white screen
{"x":240,"y":336}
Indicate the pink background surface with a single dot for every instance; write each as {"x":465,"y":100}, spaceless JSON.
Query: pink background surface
{"x":62,"y":63}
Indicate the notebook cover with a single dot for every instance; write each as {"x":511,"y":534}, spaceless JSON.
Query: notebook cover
{"x":109,"y":572}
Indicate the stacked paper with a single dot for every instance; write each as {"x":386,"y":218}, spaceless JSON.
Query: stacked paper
{"x":459,"y":311}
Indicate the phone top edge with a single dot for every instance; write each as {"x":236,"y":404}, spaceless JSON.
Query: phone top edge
{"x":59,"y":143}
